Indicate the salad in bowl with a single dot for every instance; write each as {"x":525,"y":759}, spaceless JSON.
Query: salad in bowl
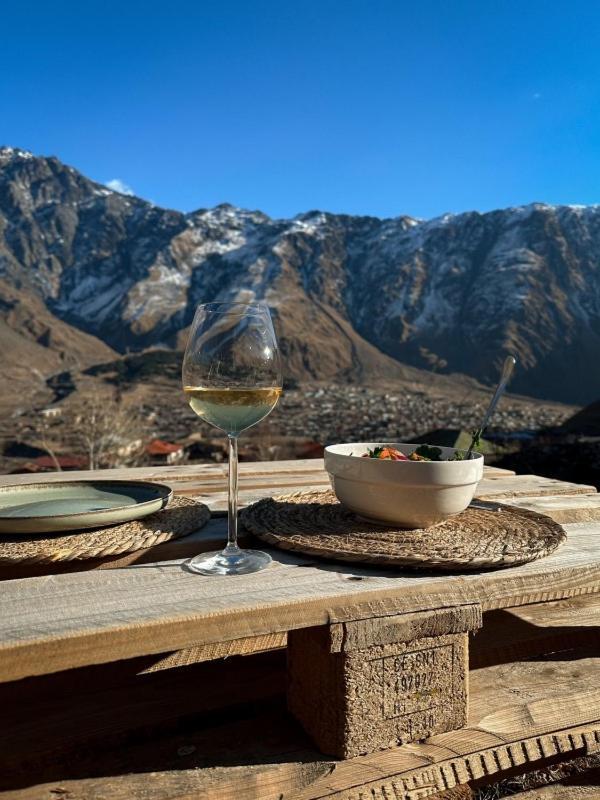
{"x":403,"y":485}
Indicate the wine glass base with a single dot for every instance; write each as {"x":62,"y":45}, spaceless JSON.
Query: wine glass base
{"x":232,"y":562}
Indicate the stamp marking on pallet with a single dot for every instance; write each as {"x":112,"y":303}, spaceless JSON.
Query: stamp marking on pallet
{"x":411,"y":682}
{"x":381,"y":682}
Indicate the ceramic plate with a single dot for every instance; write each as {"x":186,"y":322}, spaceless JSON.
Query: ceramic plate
{"x":73,"y":505}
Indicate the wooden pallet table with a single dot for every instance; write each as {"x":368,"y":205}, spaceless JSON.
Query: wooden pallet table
{"x":133,"y":678}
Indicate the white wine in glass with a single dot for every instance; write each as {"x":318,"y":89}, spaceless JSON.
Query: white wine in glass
{"x":232,"y":380}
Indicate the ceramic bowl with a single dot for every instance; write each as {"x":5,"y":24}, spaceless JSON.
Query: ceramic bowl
{"x":404,"y":494}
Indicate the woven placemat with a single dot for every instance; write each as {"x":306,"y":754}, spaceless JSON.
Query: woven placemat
{"x":316,"y":524}
{"x":181,"y":517}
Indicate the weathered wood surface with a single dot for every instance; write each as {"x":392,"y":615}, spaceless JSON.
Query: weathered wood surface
{"x":562,"y":508}
{"x":534,"y":629}
{"x":528,"y":631}
{"x":493,"y":487}
{"x":108,"y":700}
{"x":362,"y":685}
{"x":508,"y":634}
{"x":211,"y":652}
{"x":196,"y":473}
{"x":99,"y":706}
{"x":521,"y":714}
{"x":580,"y":788}
{"x":207,"y":482}
{"x":346,"y":637}
{"x":62,"y":621}
{"x":515,"y":486}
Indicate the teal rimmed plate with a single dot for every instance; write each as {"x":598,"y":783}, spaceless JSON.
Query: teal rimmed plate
{"x":74,"y":505}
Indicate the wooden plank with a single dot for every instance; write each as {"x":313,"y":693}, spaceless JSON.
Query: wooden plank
{"x":207,"y":482}
{"x":561,"y":508}
{"x":249,"y":758}
{"x":528,"y":486}
{"x":277,"y":484}
{"x":182,"y":473}
{"x":211,"y":652}
{"x":62,"y":621}
{"x":215,"y":495}
{"x":521,"y":714}
{"x":582,"y":786}
{"x":502,"y":489}
{"x":100,"y":706}
{"x":250,"y":784}
{"x":173,"y":474}
{"x":217,"y":501}
{"x":528,"y":631}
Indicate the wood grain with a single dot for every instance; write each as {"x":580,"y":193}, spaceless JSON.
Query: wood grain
{"x":211,"y":652}
{"x":515,"y":633}
{"x":176,"y":473}
{"x":515,"y":486}
{"x":62,"y":621}
{"x":582,"y":787}
{"x":107,"y":700}
{"x":563,"y":508}
{"x":207,"y":482}
{"x":492,"y":487}
{"x":507,"y":635}
{"x":181,"y":473}
{"x":98,"y":706}
{"x":521,"y":714}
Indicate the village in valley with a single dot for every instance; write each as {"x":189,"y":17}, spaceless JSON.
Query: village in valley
{"x":153,"y":425}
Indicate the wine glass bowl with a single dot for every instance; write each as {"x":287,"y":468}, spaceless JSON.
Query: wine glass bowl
{"x":232,"y":379}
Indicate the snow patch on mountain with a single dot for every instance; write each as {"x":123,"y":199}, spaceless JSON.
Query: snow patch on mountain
{"x":94,"y":296}
{"x":13,"y":153}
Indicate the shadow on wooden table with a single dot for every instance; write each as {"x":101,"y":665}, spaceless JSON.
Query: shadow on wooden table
{"x":524,"y":633}
{"x":111,"y":720}
{"x":123,"y":718}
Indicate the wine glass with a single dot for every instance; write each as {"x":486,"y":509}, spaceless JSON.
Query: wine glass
{"x":232,"y":380}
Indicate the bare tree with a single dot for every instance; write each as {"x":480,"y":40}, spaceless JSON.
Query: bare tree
{"x":110,"y":433}
{"x":44,"y":430}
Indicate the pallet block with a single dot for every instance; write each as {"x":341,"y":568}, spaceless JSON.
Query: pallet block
{"x":366,"y":685}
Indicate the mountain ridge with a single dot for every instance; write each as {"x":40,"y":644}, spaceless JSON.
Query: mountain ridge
{"x":354,"y":298}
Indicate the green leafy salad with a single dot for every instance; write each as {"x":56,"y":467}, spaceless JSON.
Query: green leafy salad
{"x":424,"y":452}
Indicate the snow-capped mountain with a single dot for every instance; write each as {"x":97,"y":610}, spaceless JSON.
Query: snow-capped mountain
{"x":353,"y":296}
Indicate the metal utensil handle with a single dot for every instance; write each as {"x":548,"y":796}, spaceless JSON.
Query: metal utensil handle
{"x":507,"y":370}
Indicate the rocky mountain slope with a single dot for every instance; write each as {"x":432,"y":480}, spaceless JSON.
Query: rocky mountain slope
{"x":86,"y":271}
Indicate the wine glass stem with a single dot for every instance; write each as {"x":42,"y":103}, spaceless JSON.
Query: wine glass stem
{"x":232,"y":519}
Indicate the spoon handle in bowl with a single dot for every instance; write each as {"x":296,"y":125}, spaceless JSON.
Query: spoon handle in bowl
{"x":507,"y":370}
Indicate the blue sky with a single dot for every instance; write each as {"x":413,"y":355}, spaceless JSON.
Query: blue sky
{"x":370,"y":107}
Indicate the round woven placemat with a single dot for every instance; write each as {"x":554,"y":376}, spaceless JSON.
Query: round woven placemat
{"x":316,"y":524}
{"x":181,"y":517}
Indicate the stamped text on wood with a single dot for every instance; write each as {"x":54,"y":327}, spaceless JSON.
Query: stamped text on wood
{"x":365,"y":685}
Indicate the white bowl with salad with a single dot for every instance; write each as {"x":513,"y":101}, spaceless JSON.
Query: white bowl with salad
{"x":403,"y":485}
